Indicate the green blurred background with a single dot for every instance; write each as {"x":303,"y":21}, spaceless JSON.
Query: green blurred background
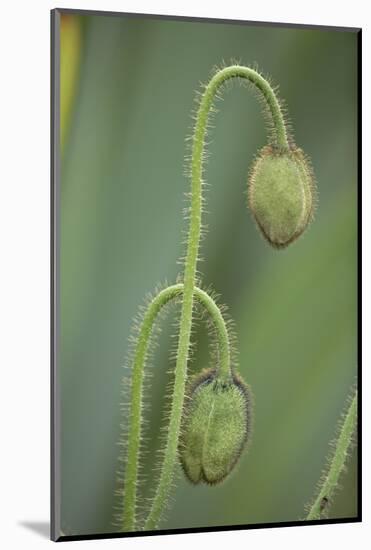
{"x":127,"y":91}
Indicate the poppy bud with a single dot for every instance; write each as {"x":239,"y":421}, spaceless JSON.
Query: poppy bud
{"x":281,"y":194}
{"x":215,"y":427}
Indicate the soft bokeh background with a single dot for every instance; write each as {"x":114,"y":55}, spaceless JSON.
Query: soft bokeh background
{"x":127,"y":90}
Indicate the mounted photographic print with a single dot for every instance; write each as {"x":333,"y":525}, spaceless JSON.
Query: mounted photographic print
{"x":205,"y":211}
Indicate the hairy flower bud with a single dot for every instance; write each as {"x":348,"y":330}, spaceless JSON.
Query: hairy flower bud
{"x":215,"y":427}
{"x":281,"y":194}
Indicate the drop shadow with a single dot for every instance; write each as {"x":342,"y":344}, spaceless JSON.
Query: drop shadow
{"x":42,"y":528}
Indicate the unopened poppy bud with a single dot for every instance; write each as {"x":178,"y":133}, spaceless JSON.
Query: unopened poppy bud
{"x":215,"y":427}
{"x":281,"y":194}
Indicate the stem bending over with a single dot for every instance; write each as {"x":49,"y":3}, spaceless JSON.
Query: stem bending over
{"x":154,"y":308}
{"x":194,"y":234}
{"x":281,"y":197}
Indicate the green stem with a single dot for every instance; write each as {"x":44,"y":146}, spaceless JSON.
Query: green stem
{"x":337,"y":463}
{"x":141,"y":352}
{"x":198,"y":147}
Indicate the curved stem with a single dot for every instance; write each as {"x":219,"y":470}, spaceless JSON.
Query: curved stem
{"x":337,"y":463}
{"x":141,"y":352}
{"x":280,"y":138}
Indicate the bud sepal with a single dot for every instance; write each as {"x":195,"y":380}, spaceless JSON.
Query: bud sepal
{"x":282,"y":194}
{"x":216,"y":427}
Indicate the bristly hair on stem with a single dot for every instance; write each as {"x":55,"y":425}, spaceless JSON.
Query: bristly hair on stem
{"x":337,"y":462}
{"x":140,"y":357}
{"x":282,"y":174}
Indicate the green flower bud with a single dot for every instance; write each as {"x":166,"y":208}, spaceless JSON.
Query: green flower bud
{"x":215,"y":427}
{"x":281,"y":194}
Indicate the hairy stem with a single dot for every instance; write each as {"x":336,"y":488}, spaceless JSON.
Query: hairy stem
{"x":337,"y":463}
{"x":198,"y":147}
{"x":141,"y":351}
